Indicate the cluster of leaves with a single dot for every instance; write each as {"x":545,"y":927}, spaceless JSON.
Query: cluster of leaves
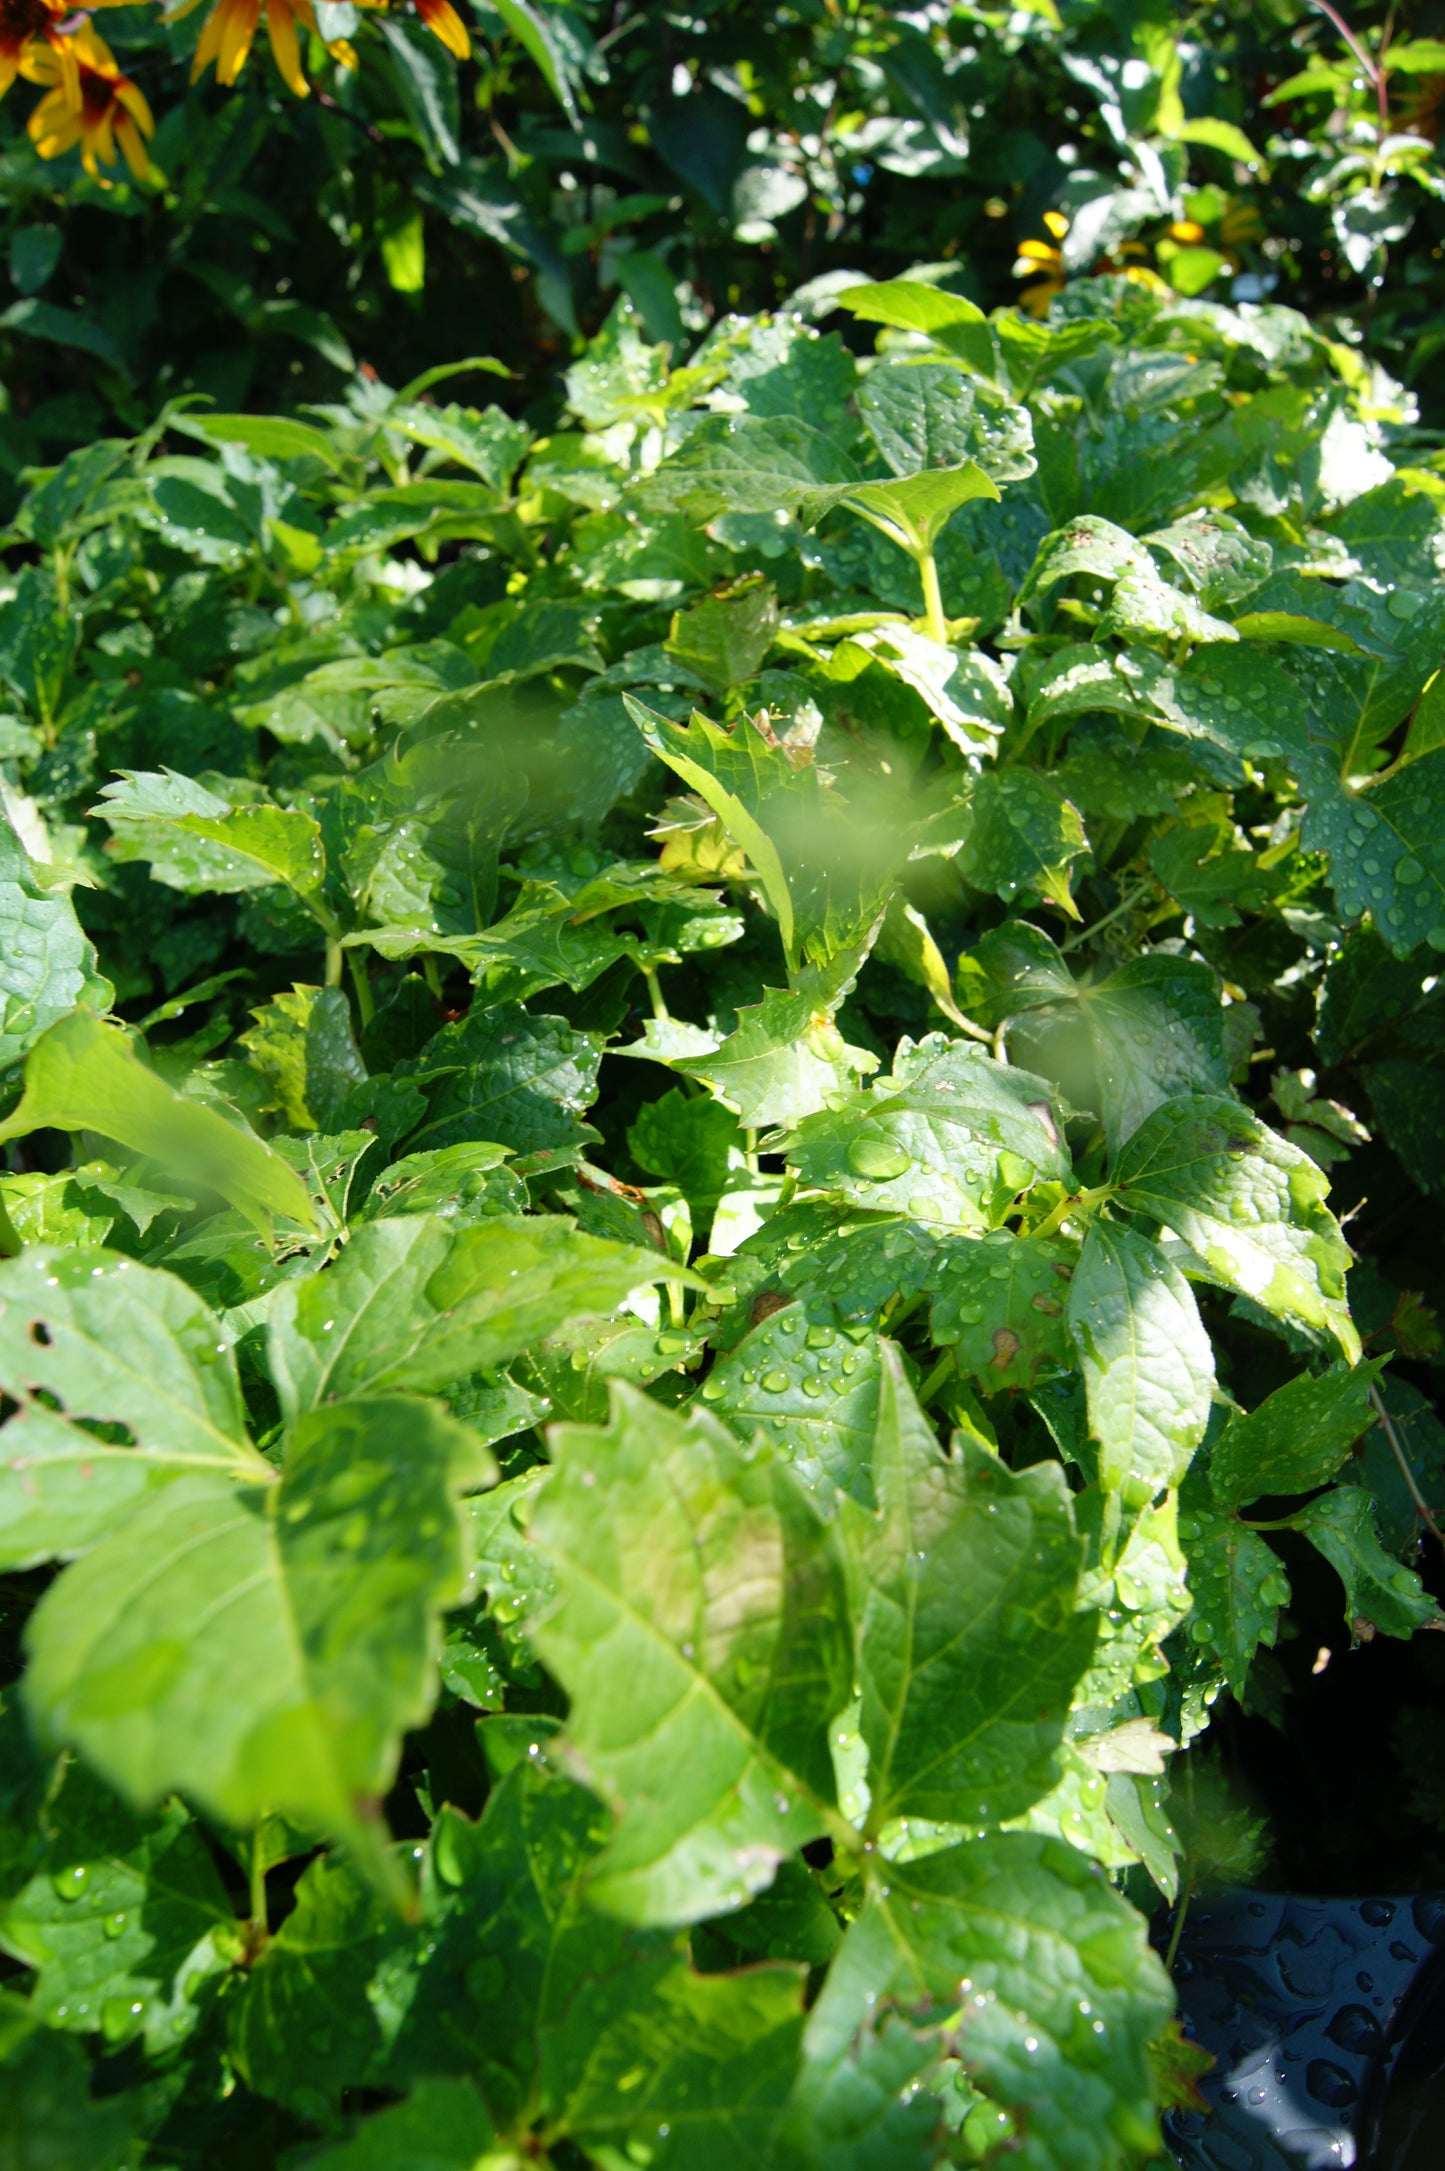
{"x":694,"y":160}
{"x":635,"y":1135}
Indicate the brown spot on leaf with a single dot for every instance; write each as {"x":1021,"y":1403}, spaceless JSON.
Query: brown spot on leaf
{"x":1005,"y":1348}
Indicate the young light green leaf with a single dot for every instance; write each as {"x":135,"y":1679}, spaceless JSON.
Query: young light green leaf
{"x":1147,"y":1361}
{"x":908,"y":305}
{"x":196,"y":1649}
{"x":969,"y":1636}
{"x":1296,"y":1439}
{"x":1248,"y":1203}
{"x":1060,"y":1992}
{"x":705,"y":1729}
{"x":416,"y":1301}
{"x":84,"y":1075}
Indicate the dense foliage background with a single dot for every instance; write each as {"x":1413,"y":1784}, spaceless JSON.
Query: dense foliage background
{"x":723,"y":806}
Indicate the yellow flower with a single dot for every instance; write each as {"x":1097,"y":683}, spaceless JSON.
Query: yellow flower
{"x":32,"y":27}
{"x":443,"y":21}
{"x":105,"y":108}
{"x":230,"y":31}
{"x":1045,"y":257}
{"x":1189,"y":231}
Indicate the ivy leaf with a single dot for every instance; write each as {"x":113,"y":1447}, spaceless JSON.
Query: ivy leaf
{"x":1061,"y":1993}
{"x":416,"y":1302}
{"x":195,"y":1650}
{"x":1248,"y":1203}
{"x":705,"y":1731}
{"x":748,"y":464}
{"x":1379,"y":1590}
{"x":88,"y":1337}
{"x":84,"y":1075}
{"x":909,"y":306}
{"x":1296,"y":1439}
{"x":1023,"y":835}
{"x":969,"y":1637}
{"x":1147,"y":1362}
{"x":1384,"y":846}
{"x":47,"y":965}
{"x":809,"y":1389}
{"x":999,"y":1305}
{"x":125,"y":1920}
{"x":951,"y":1137}
{"x":1086,"y":545}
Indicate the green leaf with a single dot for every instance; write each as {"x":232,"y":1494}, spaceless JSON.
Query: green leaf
{"x":267,"y":437}
{"x":84,"y":1075}
{"x":1023,"y":835}
{"x":415,"y":1301}
{"x":705,"y":1731}
{"x":1296,"y":1439}
{"x":785,"y":1057}
{"x":250,"y":846}
{"x":999,"y":1305}
{"x":694,"y":1143}
{"x":504,"y":1075}
{"x":1380,"y":1592}
{"x":45,"y":2100}
{"x":89,"y":1338}
{"x":908,"y":305}
{"x":1087,"y":545}
{"x":725,"y":639}
{"x":1238,"y":1586}
{"x":47,"y":965}
{"x":125,"y":1921}
{"x":1147,"y":1361}
{"x":1122,"y":1044}
{"x":925,"y":416}
{"x":199,"y":1649}
{"x":1384,"y":845}
{"x":806,"y":1387}
{"x":490,"y":443}
{"x":1060,"y":1992}
{"x":951,"y":1137}
{"x":442,"y":2126}
{"x":970,"y":1640}
{"x":1249,"y":1204}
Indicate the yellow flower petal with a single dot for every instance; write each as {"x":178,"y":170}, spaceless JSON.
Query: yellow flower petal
{"x":285,"y":51}
{"x":1040,"y":252}
{"x":1056,"y":223}
{"x":443,"y":21}
{"x":1187,"y":230}
{"x":128,"y":136}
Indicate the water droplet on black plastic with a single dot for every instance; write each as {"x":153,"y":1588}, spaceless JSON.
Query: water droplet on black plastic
{"x":1356,"y":2030}
{"x":1428,"y":1913}
{"x":1377,"y":1912}
{"x":1330,"y":2084}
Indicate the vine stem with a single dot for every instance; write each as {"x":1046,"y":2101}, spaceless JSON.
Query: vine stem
{"x":258,"y":1879}
{"x":654,"y":992}
{"x":1387,"y":1425}
{"x":1177,"y":1931}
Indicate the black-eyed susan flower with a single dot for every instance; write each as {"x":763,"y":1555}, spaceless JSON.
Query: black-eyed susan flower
{"x":103,"y":109}
{"x":1044,"y":257}
{"x":30,"y":27}
{"x":443,"y":21}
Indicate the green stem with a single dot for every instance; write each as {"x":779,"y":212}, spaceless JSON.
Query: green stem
{"x":258,"y":1879}
{"x":1126,"y":903}
{"x":1180,"y":1913}
{"x":1077,"y":1202}
{"x":361,"y":981}
{"x":334,"y":957}
{"x":936,"y":1377}
{"x":654,"y":992}
{"x":1388,"y":1428}
{"x":431,"y":972}
{"x":935,"y":625}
